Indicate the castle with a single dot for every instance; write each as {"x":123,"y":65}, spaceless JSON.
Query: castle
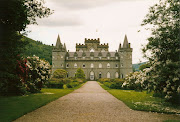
{"x":94,"y":58}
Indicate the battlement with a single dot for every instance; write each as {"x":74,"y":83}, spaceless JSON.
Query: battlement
{"x":92,"y":40}
{"x":103,"y":45}
{"x":81,"y":45}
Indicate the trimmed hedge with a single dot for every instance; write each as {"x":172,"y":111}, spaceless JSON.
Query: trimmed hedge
{"x":112,"y":83}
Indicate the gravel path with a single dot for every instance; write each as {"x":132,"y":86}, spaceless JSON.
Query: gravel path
{"x":91,"y":103}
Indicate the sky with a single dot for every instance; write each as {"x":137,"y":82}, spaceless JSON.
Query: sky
{"x":109,"y":20}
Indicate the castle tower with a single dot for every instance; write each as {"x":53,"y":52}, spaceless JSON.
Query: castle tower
{"x":125,"y":53}
{"x":58,"y":55}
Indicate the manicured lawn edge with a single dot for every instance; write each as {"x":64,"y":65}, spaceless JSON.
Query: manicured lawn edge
{"x":13,"y":107}
{"x":130,"y":99}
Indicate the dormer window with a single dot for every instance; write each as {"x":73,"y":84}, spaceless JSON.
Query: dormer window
{"x":91,"y":50}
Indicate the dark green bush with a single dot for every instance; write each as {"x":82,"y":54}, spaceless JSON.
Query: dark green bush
{"x":112,"y":83}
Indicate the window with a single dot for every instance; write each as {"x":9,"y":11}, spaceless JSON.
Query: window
{"x":67,"y":65}
{"x":75,"y":65}
{"x":67,"y":74}
{"x":75,"y":58}
{"x":116,"y":65}
{"x":67,"y":57}
{"x":100,"y":58}
{"x":92,"y":65}
{"x":121,"y":64}
{"x":53,"y":65}
{"x":61,"y":65}
{"x":100,"y":65}
{"x":61,"y":56}
{"x":80,"y":50}
{"x":83,"y":57}
{"x":116,"y":57}
{"x":91,"y":50}
{"x":84,"y":65}
{"x":116,"y":75}
{"x":108,"y":57}
{"x":108,"y":75}
{"x":108,"y":65}
{"x":122,"y":76}
{"x":102,"y":50}
{"x":92,"y":58}
{"x":100,"y":75}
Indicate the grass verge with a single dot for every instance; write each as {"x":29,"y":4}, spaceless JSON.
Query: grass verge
{"x":13,"y":107}
{"x":142,"y":101}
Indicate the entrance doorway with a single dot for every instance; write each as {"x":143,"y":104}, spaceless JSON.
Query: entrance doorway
{"x":91,"y":75}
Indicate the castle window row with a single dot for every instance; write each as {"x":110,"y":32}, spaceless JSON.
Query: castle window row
{"x":92,"y":65}
{"x":92,"y":58}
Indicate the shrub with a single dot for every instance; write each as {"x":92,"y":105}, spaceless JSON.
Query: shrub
{"x":60,"y":73}
{"x":80,"y":74}
{"x":112,"y":83}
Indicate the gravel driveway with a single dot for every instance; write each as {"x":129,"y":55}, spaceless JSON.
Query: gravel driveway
{"x":91,"y":103}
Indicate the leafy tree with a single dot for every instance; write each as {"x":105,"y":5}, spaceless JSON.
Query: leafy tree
{"x":144,"y":66}
{"x":15,"y":15}
{"x":80,"y":74}
{"x":60,"y":73}
{"x":164,"y":46}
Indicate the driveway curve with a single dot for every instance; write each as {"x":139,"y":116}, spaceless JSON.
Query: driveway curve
{"x":91,"y":103}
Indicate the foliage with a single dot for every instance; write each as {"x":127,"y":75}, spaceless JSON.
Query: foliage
{"x":137,"y":65}
{"x":37,"y":48}
{"x":80,"y":73}
{"x":144,"y":66}
{"x":112,"y":83}
{"x":164,"y":46}
{"x":15,"y":15}
{"x":60,"y":73}
{"x":39,"y":72}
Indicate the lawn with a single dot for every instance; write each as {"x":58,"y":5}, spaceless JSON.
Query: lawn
{"x":13,"y":107}
{"x":143,"y":101}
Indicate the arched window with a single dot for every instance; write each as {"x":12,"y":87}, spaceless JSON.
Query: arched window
{"x":108,"y":75}
{"x":67,"y":74}
{"x":116,"y":65}
{"x":100,"y":65}
{"x":100,"y":75}
{"x":121,"y":64}
{"x":92,"y":65}
{"x":80,"y":50}
{"x":75,"y":65}
{"x":102,"y":50}
{"x":67,"y":65}
{"x":116,"y":75}
{"x":108,"y":65}
{"x":84,"y":65}
{"x":122,"y":76}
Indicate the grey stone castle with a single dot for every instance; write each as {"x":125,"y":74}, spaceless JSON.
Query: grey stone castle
{"x":94,"y":58}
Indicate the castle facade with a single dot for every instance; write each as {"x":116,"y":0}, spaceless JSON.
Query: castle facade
{"x":94,"y":58}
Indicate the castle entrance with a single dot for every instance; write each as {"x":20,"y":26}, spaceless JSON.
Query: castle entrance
{"x":91,"y":75}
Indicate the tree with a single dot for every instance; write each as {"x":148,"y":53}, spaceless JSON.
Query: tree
{"x":15,"y":15}
{"x":164,"y":46}
{"x":80,"y":74}
{"x":60,"y":73}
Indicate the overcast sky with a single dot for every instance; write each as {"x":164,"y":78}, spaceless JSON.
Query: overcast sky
{"x":108,"y":20}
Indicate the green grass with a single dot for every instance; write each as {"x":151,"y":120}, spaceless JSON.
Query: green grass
{"x":143,"y":101}
{"x":13,"y":107}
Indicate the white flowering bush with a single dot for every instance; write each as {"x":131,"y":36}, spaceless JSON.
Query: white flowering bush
{"x":39,"y":73}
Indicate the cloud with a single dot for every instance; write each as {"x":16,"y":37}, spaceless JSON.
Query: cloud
{"x":57,"y":20}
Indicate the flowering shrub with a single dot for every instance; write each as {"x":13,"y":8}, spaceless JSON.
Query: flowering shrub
{"x":39,"y":73}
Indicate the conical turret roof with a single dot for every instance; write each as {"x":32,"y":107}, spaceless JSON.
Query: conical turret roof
{"x":58,"y":43}
{"x":125,"y":44}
